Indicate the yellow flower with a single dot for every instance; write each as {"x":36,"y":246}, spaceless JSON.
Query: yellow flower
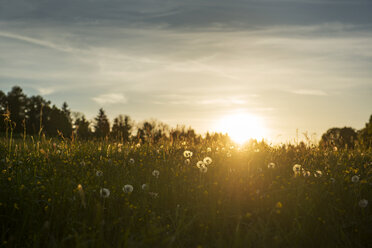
{"x":278,"y":205}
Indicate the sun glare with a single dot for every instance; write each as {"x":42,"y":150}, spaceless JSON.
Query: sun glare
{"x":241,"y":127}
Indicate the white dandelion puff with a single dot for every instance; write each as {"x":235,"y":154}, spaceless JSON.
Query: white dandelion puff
{"x":145,"y":186}
{"x":363,"y":203}
{"x":187,"y":154}
{"x":318,"y":173}
{"x":156,"y":173}
{"x":128,"y":188}
{"x":131,"y":160}
{"x":207,"y":160}
{"x":154,"y":195}
{"x":104,"y":192}
{"x":355,"y":179}
{"x":271,"y":165}
{"x":306,"y":173}
{"x":203,"y":169}
{"x":200,"y":164}
{"x":99,"y":173}
{"x":209,"y":149}
{"x":333,"y":180}
{"x":187,"y":161}
{"x":296,"y":168}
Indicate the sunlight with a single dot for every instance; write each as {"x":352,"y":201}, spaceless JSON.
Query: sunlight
{"x":241,"y":127}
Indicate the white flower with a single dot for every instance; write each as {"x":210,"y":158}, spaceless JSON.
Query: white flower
{"x":207,"y":160}
{"x":187,"y":154}
{"x":355,"y":179}
{"x":156,"y":173}
{"x":203,"y":169}
{"x":187,"y":161}
{"x":271,"y":165}
{"x":131,"y":161}
{"x":138,"y":145}
{"x":99,"y":173}
{"x":145,"y":186}
{"x":363,"y":203}
{"x":333,"y":180}
{"x":128,"y":188}
{"x":200,"y":164}
{"x":104,"y":192}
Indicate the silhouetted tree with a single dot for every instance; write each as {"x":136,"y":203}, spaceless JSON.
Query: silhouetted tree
{"x":37,"y":114}
{"x":339,"y":137}
{"x":365,"y":134}
{"x":82,"y":126}
{"x":122,"y":128}
{"x":2,"y":110}
{"x":16,"y":104}
{"x":102,"y":125}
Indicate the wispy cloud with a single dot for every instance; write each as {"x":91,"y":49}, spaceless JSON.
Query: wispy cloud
{"x":46,"y":91}
{"x":112,"y":98}
{"x":309,"y":92}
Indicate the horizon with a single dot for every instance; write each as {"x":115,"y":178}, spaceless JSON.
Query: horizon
{"x":284,"y":65}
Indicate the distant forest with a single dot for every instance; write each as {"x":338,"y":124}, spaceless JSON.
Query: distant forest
{"x":23,"y":115}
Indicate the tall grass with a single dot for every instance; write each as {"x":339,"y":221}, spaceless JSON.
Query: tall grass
{"x":50,"y":195}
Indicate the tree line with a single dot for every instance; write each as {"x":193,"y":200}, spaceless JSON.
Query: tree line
{"x":34,"y":115}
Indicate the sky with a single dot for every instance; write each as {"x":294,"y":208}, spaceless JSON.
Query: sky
{"x":293,"y":64}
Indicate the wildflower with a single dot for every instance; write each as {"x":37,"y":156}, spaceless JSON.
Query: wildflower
{"x":104,"y":192}
{"x":203,"y":169}
{"x":131,"y":161}
{"x":199,"y":164}
{"x":145,"y":186}
{"x":355,"y":179}
{"x":187,"y":154}
{"x":271,"y":165}
{"x":207,"y":160}
{"x":318,"y":173}
{"x":278,"y":205}
{"x":297,"y":169}
{"x":363,"y":203}
{"x":156,"y":173}
{"x":99,"y":173}
{"x":138,"y":145}
{"x":333,"y":180}
{"x":128,"y":188}
{"x":187,"y":161}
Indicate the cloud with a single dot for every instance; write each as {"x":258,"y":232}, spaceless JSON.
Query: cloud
{"x":309,"y":92}
{"x":46,"y":91}
{"x":112,"y":98}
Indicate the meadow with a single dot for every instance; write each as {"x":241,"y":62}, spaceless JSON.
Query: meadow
{"x":63,"y":193}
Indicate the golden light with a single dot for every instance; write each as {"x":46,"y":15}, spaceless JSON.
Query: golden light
{"x":241,"y":127}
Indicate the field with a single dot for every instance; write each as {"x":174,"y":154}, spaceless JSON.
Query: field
{"x":58,"y":193}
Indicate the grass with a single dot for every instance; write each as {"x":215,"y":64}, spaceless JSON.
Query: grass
{"x":238,"y":202}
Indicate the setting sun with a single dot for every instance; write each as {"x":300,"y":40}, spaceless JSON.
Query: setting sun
{"x":241,"y":127}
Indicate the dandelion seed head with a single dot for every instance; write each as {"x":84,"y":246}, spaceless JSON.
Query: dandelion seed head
{"x":128,"y":188}
{"x":156,"y":173}
{"x":145,"y":186}
{"x":207,"y":160}
{"x":200,"y":164}
{"x":355,"y":179}
{"x":296,"y":168}
{"x":271,"y":165}
{"x":363,"y":203}
{"x":318,"y":173}
{"x":187,"y":154}
{"x":187,"y":161}
{"x":203,"y":169}
{"x":99,"y":173}
{"x":131,"y":160}
{"x":104,"y":192}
